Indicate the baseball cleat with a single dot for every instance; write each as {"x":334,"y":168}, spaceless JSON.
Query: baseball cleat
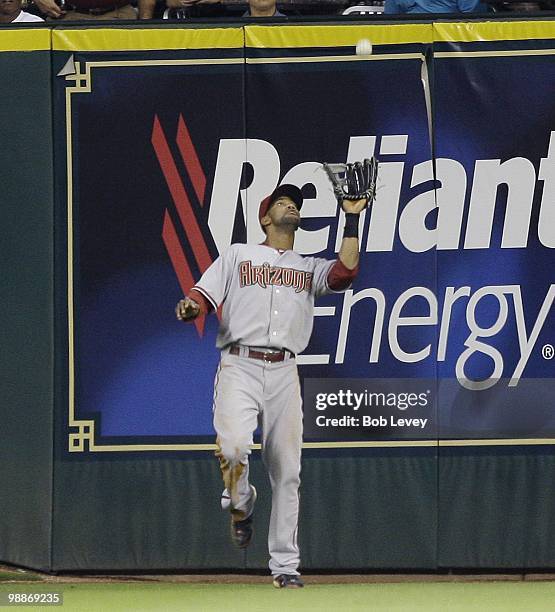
{"x":241,"y":532}
{"x":288,"y":581}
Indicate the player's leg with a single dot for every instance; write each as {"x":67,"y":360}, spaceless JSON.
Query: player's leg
{"x":281,"y":452}
{"x":236,"y":409}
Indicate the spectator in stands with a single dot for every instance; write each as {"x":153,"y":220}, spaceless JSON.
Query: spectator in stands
{"x":263,"y":8}
{"x":87,"y":9}
{"x":432,"y":6}
{"x":10,"y":12}
{"x":183,"y":9}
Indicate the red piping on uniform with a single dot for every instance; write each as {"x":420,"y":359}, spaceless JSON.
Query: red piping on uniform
{"x":205,"y":305}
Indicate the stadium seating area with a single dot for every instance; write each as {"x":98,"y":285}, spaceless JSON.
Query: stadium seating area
{"x":209,"y":9}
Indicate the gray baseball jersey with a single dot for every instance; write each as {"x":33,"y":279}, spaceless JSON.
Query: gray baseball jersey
{"x":268,"y":295}
{"x":268,"y":302}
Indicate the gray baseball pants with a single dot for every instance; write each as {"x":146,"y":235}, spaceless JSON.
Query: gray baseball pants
{"x":249,"y":392}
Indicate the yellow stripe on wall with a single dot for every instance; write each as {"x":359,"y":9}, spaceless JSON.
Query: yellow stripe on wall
{"x":283,"y":37}
{"x":25,"y":40}
{"x":474,"y":31}
{"x":131,"y":39}
{"x":258,"y":36}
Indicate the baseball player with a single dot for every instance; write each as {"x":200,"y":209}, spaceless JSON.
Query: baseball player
{"x":268,"y":291}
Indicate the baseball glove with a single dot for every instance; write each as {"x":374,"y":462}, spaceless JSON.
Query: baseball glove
{"x":354,"y":181}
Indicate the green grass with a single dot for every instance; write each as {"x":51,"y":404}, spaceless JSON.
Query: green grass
{"x":17,"y":575}
{"x":425,"y":597}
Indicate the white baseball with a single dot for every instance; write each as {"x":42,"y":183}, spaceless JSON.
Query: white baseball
{"x":364,"y":47}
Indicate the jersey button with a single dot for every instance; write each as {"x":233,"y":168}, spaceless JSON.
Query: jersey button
{"x":274,"y":333}
{"x":275,"y":311}
{"x":277,"y":290}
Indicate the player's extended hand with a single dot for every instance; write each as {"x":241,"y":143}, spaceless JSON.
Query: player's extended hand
{"x":354,"y":206}
{"x":354,"y":185}
{"x":186,"y":309}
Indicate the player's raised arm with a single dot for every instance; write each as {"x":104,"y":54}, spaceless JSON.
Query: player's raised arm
{"x":355,"y":190}
{"x":349,"y":250}
{"x":354,"y":186}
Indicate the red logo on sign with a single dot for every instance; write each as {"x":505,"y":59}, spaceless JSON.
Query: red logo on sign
{"x":183,"y":205}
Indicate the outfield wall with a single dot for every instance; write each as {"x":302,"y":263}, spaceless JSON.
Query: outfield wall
{"x":137,"y":154}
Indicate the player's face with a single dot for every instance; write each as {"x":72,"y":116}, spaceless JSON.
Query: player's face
{"x":284,"y":212}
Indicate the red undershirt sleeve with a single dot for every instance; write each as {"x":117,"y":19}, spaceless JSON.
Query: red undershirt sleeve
{"x":204,"y":304}
{"x":340,"y":277}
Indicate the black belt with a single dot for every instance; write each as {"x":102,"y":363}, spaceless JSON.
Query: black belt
{"x":271,"y":355}
{"x":95,"y":11}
